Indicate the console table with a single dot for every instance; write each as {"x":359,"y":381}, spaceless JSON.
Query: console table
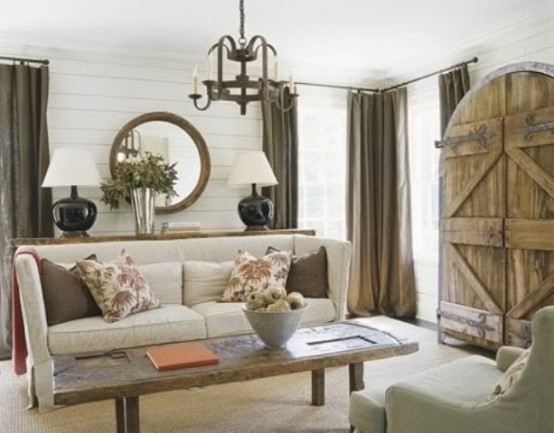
{"x":166,"y":236}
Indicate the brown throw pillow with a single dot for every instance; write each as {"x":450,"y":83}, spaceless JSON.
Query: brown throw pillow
{"x":66,"y":297}
{"x":308,"y":274}
{"x":118,"y":287}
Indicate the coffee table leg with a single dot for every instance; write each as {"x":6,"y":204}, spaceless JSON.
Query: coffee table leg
{"x":356,"y":373}
{"x":120,"y":415}
{"x":318,"y":387}
{"x":127,"y":415}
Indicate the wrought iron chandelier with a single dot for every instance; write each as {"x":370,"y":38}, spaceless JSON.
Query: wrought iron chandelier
{"x":243,"y":88}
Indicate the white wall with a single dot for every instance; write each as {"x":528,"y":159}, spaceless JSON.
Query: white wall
{"x":93,"y":94}
{"x":529,"y":39}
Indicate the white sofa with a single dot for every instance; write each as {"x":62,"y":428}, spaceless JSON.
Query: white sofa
{"x":162,"y":262}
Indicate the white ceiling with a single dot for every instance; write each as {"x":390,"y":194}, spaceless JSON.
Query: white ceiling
{"x":380,"y":38}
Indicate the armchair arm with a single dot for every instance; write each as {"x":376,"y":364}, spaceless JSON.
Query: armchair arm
{"x":506,"y":356}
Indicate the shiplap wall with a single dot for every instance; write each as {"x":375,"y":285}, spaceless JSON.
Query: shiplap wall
{"x":529,"y":39}
{"x":95,"y":89}
{"x":92,"y":95}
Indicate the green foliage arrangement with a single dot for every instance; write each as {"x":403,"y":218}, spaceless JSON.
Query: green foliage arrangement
{"x":149,"y":172}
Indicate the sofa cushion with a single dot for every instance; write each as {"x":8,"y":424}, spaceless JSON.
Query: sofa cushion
{"x":465,"y":382}
{"x":162,"y":325}
{"x":251,"y":274}
{"x":165,"y":280}
{"x":308,"y":273}
{"x":205,"y":281}
{"x":66,"y":296}
{"x":118,"y":287}
{"x":227,"y":318}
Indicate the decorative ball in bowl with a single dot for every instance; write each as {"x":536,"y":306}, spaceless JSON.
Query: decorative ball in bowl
{"x":274,"y":315}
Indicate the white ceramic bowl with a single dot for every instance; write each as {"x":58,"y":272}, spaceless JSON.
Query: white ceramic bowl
{"x":274,"y":327}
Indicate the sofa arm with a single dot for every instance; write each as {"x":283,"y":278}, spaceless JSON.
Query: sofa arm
{"x":338,"y":266}
{"x":506,"y":356}
{"x":33,"y":311}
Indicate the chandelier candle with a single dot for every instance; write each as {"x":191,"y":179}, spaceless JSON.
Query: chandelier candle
{"x":195,"y":80}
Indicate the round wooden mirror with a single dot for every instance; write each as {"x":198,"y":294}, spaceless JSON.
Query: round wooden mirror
{"x":176,"y":140}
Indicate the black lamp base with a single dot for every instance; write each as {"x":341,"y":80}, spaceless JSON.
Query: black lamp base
{"x":255,"y":211}
{"x":74,"y":215}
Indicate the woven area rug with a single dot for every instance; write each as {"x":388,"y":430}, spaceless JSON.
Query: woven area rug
{"x":278,"y":404}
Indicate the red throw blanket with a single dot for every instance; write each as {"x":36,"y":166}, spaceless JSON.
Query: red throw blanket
{"x":19,"y":346}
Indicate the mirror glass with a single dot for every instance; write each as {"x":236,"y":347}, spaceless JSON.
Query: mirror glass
{"x":177,"y":141}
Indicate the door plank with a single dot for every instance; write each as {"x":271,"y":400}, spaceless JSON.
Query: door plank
{"x":487,"y":103}
{"x":483,"y":327}
{"x":535,"y":171}
{"x":463,"y":195}
{"x":518,"y":332}
{"x":516,"y":126}
{"x":473,"y":280}
{"x":519,"y":270}
{"x":493,"y":129}
{"x":533,"y":298}
{"x":474,"y":231}
{"x":528,"y":91}
{"x":529,"y":234}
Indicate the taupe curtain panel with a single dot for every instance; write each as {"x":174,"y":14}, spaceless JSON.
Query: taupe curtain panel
{"x":453,"y":86}
{"x":24,"y":158}
{"x":378,"y":206}
{"x":280,"y":144}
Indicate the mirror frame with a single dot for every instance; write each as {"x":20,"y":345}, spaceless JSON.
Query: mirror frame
{"x":200,"y":143}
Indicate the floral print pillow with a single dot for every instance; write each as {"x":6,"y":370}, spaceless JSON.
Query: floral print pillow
{"x":251,"y":274}
{"x":118,"y":287}
{"x":510,"y":376}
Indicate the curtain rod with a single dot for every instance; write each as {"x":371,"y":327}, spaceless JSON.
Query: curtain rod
{"x":440,"y":71}
{"x":336,"y":86}
{"x":24,"y":60}
{"x":365,"y":89}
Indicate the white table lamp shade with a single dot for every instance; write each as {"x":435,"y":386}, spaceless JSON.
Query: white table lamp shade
{"x":72,"y":167}
{"x":251,"y":167}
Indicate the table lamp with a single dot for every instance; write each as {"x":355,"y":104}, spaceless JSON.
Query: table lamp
{"x":252,"y":168}
{"x":73,"y":215}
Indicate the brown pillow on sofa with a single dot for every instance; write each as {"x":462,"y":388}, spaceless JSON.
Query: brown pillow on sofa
{"x":308,"y":273}
{"x":66,"y":296}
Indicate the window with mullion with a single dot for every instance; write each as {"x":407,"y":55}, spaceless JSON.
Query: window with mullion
{"x":322,"y":164}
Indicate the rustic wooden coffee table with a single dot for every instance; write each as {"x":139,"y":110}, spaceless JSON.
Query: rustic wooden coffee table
{"x":125,"y":375}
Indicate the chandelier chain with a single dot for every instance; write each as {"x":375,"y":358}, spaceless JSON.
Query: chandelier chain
{"x":242,"y":39}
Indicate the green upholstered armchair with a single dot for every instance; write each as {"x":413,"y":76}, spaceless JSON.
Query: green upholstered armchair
{"x":453,"y":398}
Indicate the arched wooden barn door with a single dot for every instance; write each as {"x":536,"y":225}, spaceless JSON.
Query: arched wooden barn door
{"x":497,"y":222}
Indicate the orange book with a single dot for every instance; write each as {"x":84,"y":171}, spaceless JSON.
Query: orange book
{"x":173,"y":356}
